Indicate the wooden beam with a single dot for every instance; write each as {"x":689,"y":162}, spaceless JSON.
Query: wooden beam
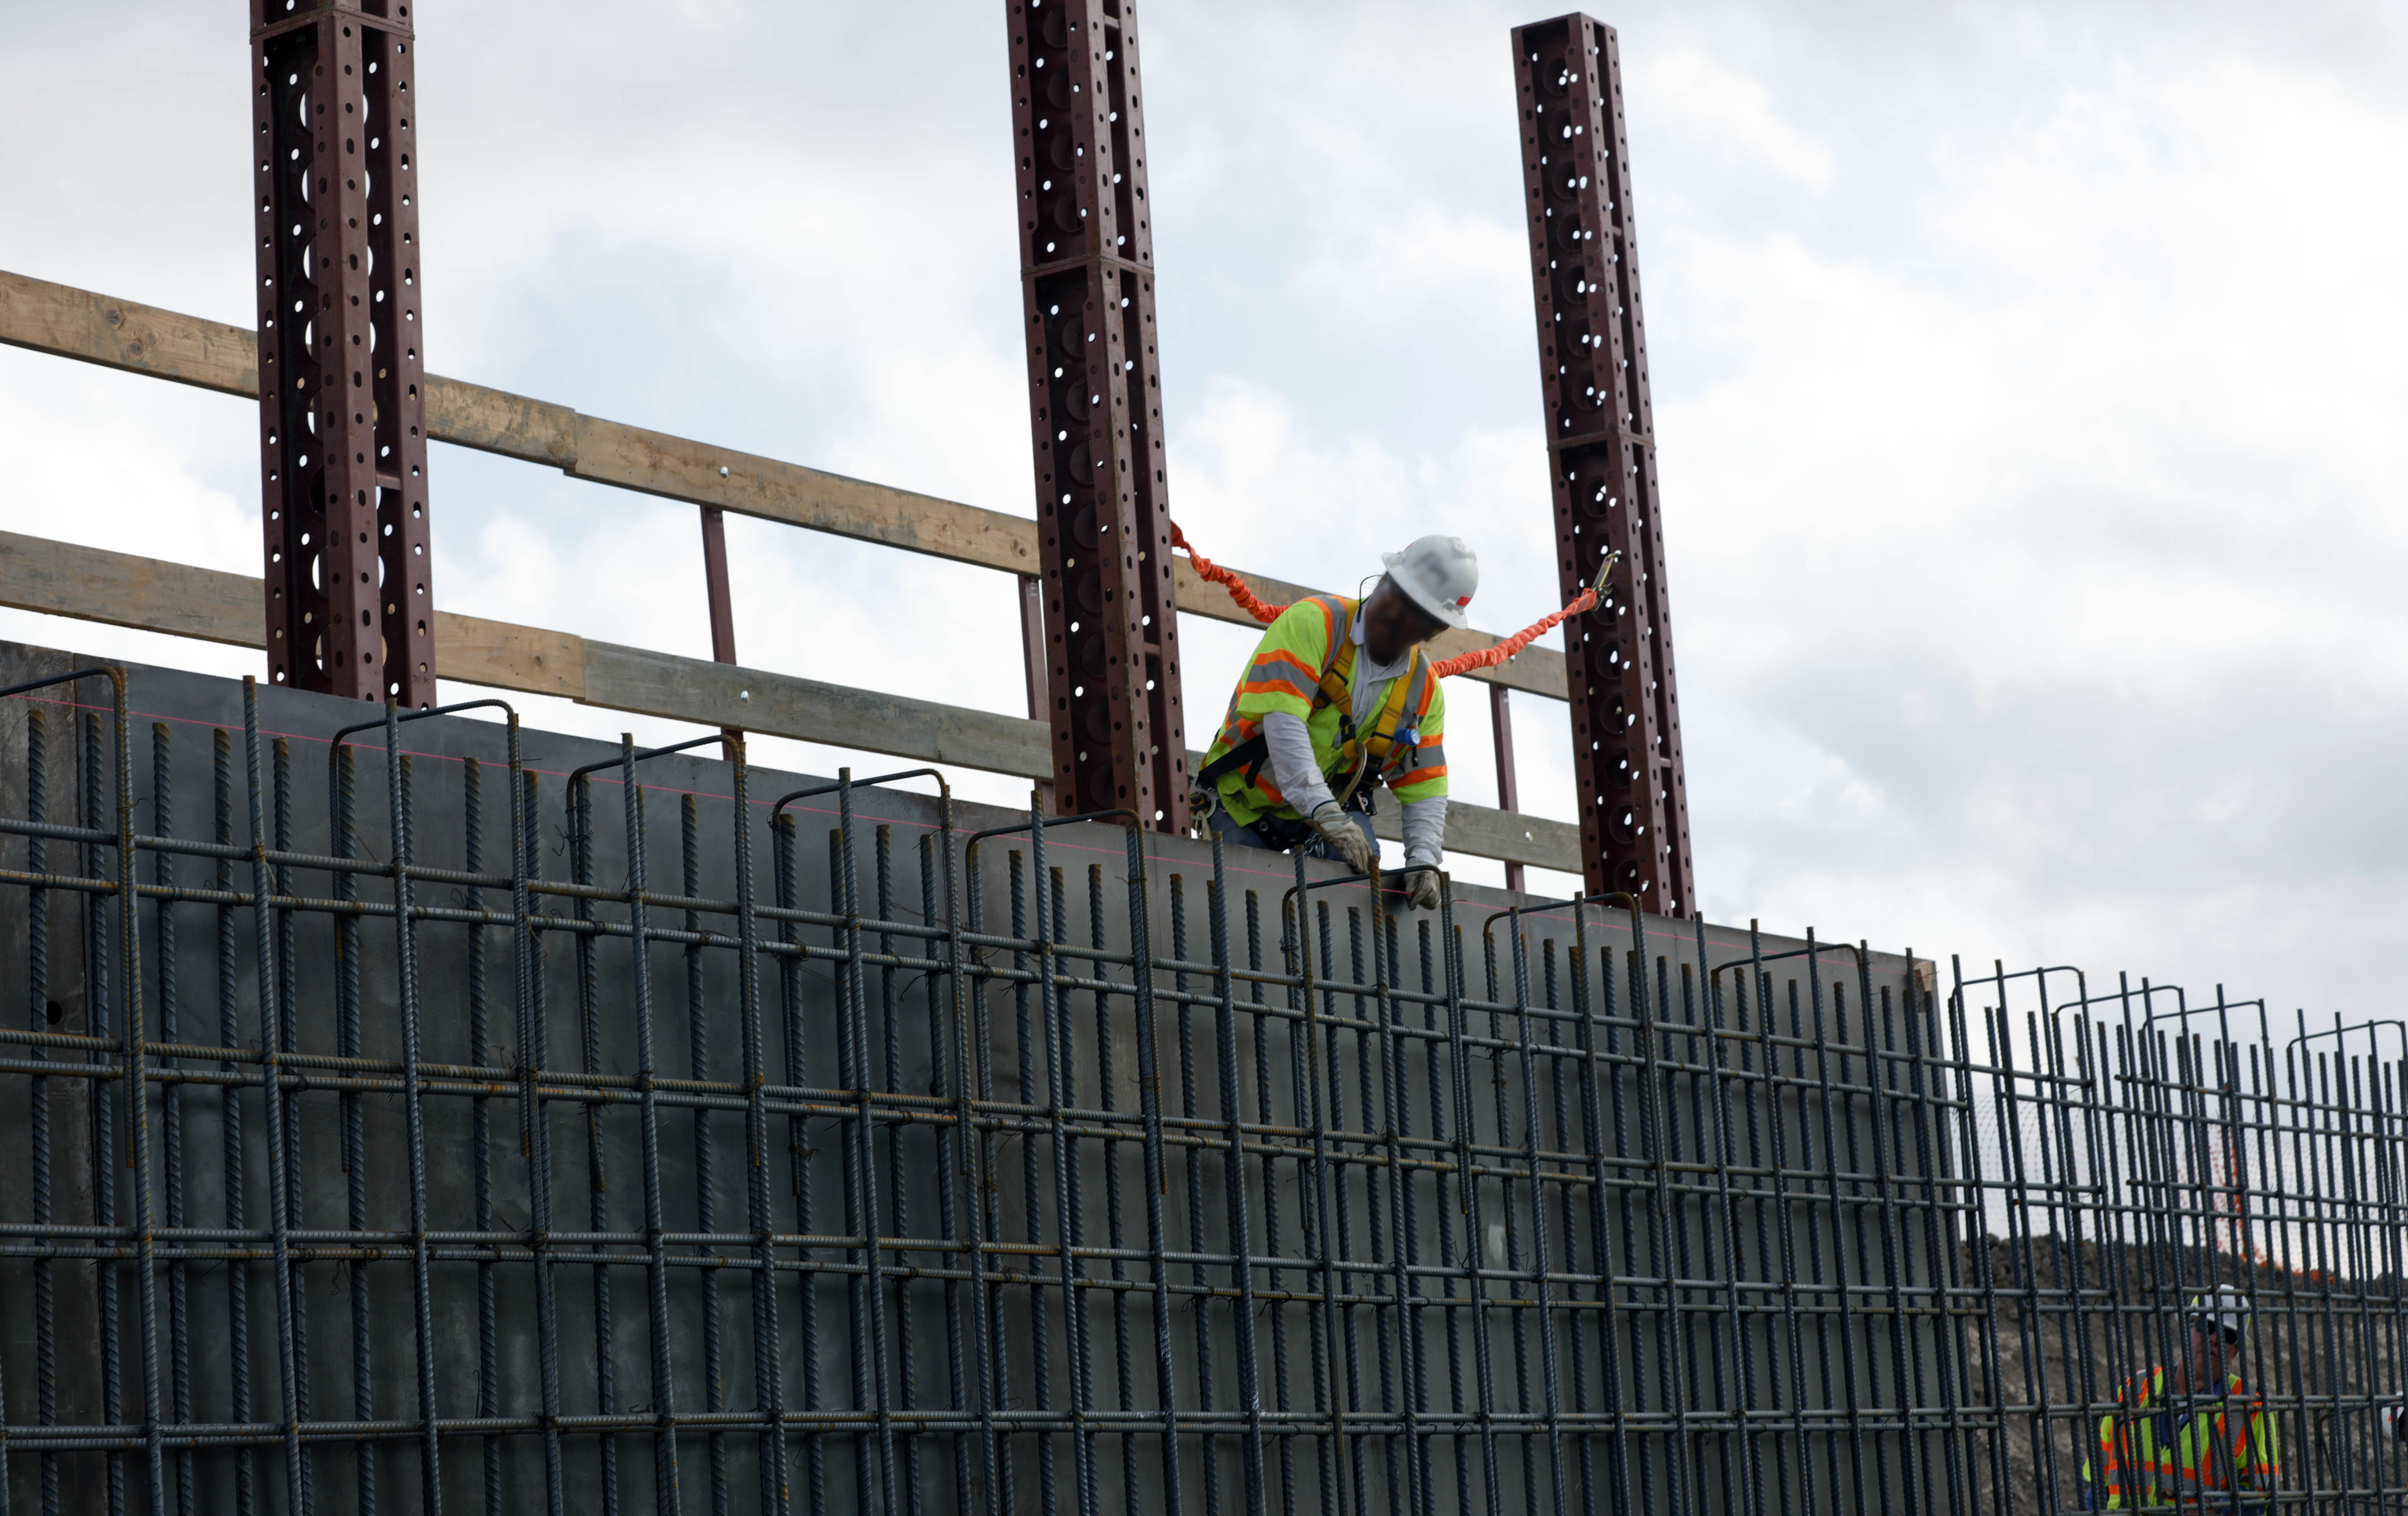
{"x":70,"y":322}
{"x":677,"y":468}
{"x":149,"y":594}
{"x":495,"y":420}
{"x":1484,"y":833}
{"x":510,"y":657}
{"x":779,"y":705}
{"x":118,"y":589}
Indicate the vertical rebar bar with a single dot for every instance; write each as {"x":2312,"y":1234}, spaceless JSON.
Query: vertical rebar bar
{"x":171,"y":1104}
{"x":404,"y":921}
{"x":271,"y":1044}
{"x":657,"y":1269}
{"x":42,"y":1014}
{"x":697,"y":1021}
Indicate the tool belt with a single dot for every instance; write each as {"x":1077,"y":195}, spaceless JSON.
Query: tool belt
{"x":1281,"y":834}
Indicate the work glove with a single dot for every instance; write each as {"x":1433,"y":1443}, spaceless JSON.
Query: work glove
{"x":1339,"y":830}
{"x":1420,"y":885}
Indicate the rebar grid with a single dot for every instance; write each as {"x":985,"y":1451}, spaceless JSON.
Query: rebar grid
{"x":911,"y":1191}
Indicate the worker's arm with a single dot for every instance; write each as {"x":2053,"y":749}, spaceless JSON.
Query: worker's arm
{"x":1293,"y":768}
{"x":1418,"y":781}
{"x":1281,"y":680}
{"x":1426,"y":831}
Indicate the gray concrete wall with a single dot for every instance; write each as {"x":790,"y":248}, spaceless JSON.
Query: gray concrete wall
{"x":1683,"y":1139}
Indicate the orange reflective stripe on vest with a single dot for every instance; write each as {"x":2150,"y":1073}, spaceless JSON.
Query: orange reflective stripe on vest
{"x":2233,"y":1439}
{"x":1288,"y":667}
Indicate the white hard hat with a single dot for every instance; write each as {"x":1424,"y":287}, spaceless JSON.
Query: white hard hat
{"x":2226,"y":1310}
{"x":1439,"y":574}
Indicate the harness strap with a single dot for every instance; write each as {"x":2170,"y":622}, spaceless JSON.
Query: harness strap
{"x":1334,"y":689}
{"x":1337,"y":689}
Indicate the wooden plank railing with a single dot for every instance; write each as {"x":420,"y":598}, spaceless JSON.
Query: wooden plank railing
{"x":69,"y":322}
{"x":121,"y":588}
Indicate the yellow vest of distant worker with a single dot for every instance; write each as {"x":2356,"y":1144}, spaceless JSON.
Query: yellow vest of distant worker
{"x":1305,"y":665}
{"x":2221,"y":1448}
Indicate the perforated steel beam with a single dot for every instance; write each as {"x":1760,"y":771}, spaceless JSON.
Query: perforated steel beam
{"x":1602,"y":456}
{"x":342,"y":434}
{"x":1095,"y":397}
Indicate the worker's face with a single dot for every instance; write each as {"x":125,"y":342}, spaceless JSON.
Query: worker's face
{"x":1392,"y":623}
{"x":2207,"y":1364}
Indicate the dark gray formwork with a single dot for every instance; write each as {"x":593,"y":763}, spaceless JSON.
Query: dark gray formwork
{"x":1356,"y":1209}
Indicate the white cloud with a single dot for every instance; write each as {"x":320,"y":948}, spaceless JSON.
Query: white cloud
{"x":2028,"y":386}
{"x":1389,"y":264}
{"x":1694,"y":95}
{"x":2064,"y":538}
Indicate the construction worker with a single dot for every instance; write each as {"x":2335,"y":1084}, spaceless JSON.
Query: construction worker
{"x":1338,"y":701}
{"x":2188,"y":1436}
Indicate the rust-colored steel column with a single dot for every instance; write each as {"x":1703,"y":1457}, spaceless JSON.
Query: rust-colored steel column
{"x":1601,"y":455}
{"x":1095,"y":397}
{"x":342,"y":435}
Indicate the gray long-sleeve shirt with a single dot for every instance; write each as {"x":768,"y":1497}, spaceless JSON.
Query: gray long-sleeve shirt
{"x":1299,"y":775}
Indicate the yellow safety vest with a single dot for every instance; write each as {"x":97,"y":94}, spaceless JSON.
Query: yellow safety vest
{"x":2224,"y":1446}
{"x":1305,"y":665}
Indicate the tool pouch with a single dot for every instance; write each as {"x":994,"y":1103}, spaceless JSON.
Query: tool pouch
{"x":1283,"y":832}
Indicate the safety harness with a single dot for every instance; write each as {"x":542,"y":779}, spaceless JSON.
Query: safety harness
{"x":1360,"y":753}
{"x":2154,"y":1452}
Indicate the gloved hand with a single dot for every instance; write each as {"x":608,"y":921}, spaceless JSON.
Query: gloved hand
{"x":1421,"y":886}
{"x":1339,"y":830}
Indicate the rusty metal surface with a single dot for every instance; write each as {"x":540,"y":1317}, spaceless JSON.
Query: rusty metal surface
{"x":1032,"y":642}
{"x":714,"y":579}
{"x":1509,"y":783}
{"x":1602,"y":457}
{"x":1034,"y":665}
{"x":342,"y":435}
{"x":1086,"y":258}
{"x":722,"y":609}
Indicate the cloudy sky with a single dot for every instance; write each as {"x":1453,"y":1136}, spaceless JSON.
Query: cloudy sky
{"x":2029,"y":382}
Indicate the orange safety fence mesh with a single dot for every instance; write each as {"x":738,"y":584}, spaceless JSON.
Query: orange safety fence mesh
{"x":1488,"y":657}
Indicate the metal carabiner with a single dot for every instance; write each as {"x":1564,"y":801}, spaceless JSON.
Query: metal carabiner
{"x":1604,"y":572}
